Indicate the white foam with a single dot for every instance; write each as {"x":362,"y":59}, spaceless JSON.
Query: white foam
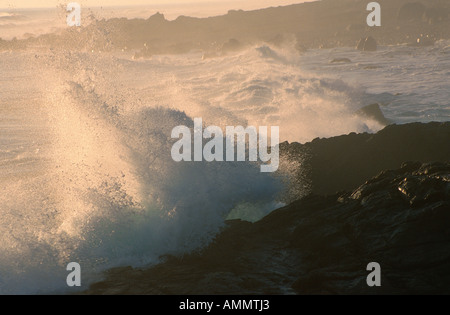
{"x":103,"y":190}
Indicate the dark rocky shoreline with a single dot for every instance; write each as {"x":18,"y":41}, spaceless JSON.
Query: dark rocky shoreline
{"x":345,"y":162}
{"x":322,"y":24}
{"x":322,"y":243}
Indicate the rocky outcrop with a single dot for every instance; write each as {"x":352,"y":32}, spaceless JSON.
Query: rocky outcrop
{"x":321,"y":245}
{"x":373,"y":111}
{"x":345,"y":162}
{"x":304,"y":22}
{"x":398,"y":217}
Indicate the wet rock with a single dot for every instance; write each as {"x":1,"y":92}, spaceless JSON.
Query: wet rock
{"x":374,"y":112}
{"x":345,"y":162}
{"x":398,"y":217}
{"x":157,"y":18}
{"x":321,"y":245}
{"x":367,"y":44}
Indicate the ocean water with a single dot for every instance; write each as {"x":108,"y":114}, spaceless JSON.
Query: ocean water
{"x":85,"y":168}
{"x":411,"y":83}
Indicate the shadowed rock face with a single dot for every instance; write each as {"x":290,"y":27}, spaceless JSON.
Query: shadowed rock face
{"x":399,"y":219}
{"x":322,"y":244}
{"x":345,"y":162}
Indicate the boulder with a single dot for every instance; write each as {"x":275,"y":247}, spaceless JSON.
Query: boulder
{"x":345,"y":162}
{"x":367,"y":44}
{"x":398,"y":217}
{"x":374,"y":112}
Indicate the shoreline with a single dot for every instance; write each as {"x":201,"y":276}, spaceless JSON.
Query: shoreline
{"x":336,"y":24}
{"x":318,"y":244}
{"x":95,"y":184}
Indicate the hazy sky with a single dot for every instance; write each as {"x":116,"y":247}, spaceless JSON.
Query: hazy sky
{"x":95,"y":3}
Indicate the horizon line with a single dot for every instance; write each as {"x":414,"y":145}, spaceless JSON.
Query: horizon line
{"x":203,"y":3}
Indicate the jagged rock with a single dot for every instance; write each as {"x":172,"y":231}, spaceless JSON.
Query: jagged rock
{"x":398,"y":217}
{"x":345,"y":162}
{"x":370,"y":44}
{"x":374,"y":112}
{"x":157,"y":18}
{"x":321,"y":245}
{"x":360,"y":45}
{"x":345,"y":22}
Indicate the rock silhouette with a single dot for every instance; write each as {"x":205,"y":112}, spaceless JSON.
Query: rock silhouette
{"x":319,"y":24}
{"x":374,"y":112}
{"x":321,"y":245}
{"x":346,"y":162}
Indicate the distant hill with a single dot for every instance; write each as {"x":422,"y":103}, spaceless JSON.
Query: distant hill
{"x":326,"y":23}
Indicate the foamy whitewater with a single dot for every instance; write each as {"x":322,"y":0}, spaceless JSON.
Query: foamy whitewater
{"x":85,"y":168}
